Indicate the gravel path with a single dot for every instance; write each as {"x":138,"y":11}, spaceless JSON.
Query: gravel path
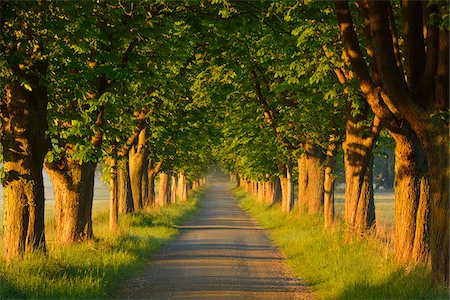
{"x":221,"y":253}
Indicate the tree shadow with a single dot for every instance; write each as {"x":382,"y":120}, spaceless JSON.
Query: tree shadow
{"x":9,"y":291}
{"x":409,"y":283}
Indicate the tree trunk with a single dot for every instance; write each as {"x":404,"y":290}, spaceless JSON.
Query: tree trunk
{"x":302,"y":201}
{"x":182,"y":188}
{"x":113,"y":196}
{"x":152,"y":171}
{"x":329,"y":185}
{"x":315,"y":173}
{"x":287,"y":189}
{"x":174,"y":188}
{"x":412,"y":200}
{"x":145,"y":184}
{"x":164,"y":189}
{"x":137,"y":157}
{"x":73,"y":184}
{"x":438,"y":164}
{"x":125,"y":200}
{"x":358,"y":160}
{"x":24,"y":147}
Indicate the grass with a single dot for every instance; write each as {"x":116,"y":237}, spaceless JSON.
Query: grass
{"x":338,"y":267}
{"x":95,"y":268}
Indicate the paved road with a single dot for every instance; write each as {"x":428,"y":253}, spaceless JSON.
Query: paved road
{"x":221,"y":253}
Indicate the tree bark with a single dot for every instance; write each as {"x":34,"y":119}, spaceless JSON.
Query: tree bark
{"x":24,"y":148}
{"x":125,"y":200}
{"x":145,"y":184}
{"x":358,"y":160}
{"x":287,"y":187}
{"x":315,"y":169}
{"x":174,"y":188}
{"x":329,"y":185}
{"x":74,"y":189}
{"x":152,"y":171}
{"x":311,"y":179}
{"x":418,"y":102}
{"x":412,"y":200}
{"x":182,"y":188}
{"x":137,"y":157}
{"x":113,"y":195}
{"x":302,"y":201}
{"x":277,"y":194}
{"x":164,"y":189}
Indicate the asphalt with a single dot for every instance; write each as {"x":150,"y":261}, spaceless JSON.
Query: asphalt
{"x":221,"y":253}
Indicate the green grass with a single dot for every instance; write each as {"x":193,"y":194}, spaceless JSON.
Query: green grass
{"x":338,"y":267}
{"x":94,"y":269}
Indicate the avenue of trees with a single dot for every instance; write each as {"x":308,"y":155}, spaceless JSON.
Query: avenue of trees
{"x":272,"y":90}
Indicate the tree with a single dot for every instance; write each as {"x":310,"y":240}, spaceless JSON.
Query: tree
{"x":409,"y":105}
{"x":25,"y":39}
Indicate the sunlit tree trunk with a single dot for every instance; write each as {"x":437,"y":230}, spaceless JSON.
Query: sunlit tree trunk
{"x":174,"y":188}
{"x":145,"y":184}
{"x":182,"y":187}
{"x":125,"y":200}
{"x":73,"y":184}
{"x":358,"y":160}
{"x":137,"y":157}
{"x":164,"y":189}
{"x":315,"y":169}
{"x":113,"y":195}
{"x":329,"y":185}
{"x":287,"y":187}
{"x":24,"y":148}
{"x":412,"y":200}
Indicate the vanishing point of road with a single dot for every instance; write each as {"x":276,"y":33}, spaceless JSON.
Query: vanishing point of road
{"x":221,"y":253}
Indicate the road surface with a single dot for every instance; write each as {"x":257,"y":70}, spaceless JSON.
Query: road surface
{"x":221,"y":253}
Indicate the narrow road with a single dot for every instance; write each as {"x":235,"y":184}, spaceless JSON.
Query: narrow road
{"x":221,"y":253}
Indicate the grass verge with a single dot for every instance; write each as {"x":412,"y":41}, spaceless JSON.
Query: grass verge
{"x":95,"y":268}
{"x":338,"y":267}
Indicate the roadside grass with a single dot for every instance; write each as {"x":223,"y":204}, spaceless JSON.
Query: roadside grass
{"x":338,"y":267}
{"x":94,"y":269}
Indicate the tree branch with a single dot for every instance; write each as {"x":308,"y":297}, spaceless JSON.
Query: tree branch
{"x":356,"y":59}
{"x":269,"y":115}
{"x":414,"y":40}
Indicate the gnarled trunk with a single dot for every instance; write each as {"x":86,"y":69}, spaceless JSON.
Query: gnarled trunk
{"x":73,"y":184}
{"x":24,"y":147}
{"x":412,"y":199}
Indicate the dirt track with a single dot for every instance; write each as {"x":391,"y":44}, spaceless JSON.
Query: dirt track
{"x":221,"y":253}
